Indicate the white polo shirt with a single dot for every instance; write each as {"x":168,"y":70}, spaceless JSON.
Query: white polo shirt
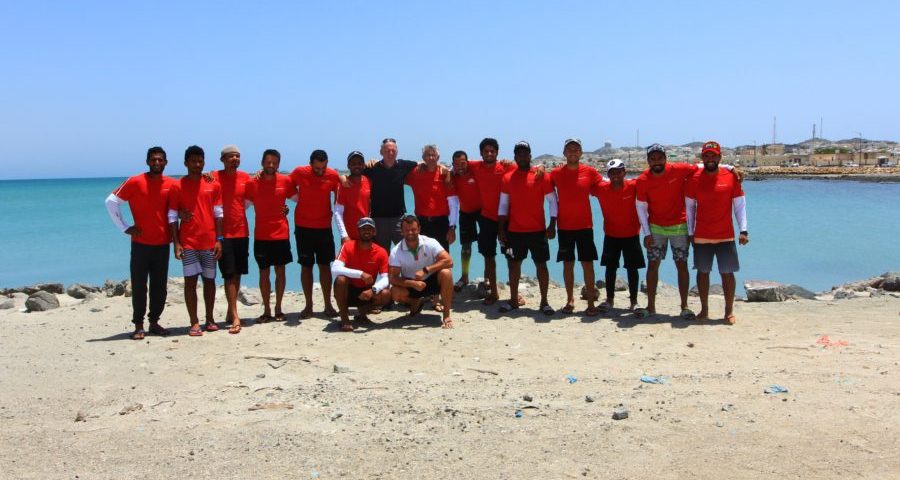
{"x":411,"y":261}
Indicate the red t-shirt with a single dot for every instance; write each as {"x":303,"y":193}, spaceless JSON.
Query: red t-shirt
{"x":233,"y":187}
{"x":370,"y":260}
{"x":269,"y":197}
{"x":714,"y":195}
{"x":488,"y":178}
{"x":620,"y":218}
{"x":198,"y":197}
{"x":573,"y":186}
{"x":314,"y":201}
{"x":149,"y":202}
{"x":526,"y":200}
{"x":467,"y":189}
{"x":430,"y":192}
{"x":664,"y":194}
{"x":355,"y":200}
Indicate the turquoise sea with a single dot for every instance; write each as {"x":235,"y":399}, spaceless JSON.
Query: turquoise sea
{"x":813,"y":233}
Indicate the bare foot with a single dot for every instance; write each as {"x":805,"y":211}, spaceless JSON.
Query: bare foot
{"x":307,"y":312}
{"x":447,"y":323}
{"x":730,"y":319}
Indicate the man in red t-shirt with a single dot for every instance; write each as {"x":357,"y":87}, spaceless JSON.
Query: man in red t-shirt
{"x":312,"y":226}
{"x":488,"y":173}
{"x":147,"y":195}
{"x":573,"y":182}
{"x":236,"y":245}
{"x":466,"y":188}
{"x":521,"y":225}
{"x":437,"y":205}
{"x":621,"y":229}
{"x":198,"y":241}
{"x":711,"y":197}
{"x":271,"y":234}
{"x":360,"y":276}
{"x":352,"y":202}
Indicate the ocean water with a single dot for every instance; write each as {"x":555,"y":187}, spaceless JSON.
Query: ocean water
{"x":816,"y":234}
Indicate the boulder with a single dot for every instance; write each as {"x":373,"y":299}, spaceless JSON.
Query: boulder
{"x":78,"y":290}
{"x":764,"y":291}
{"x":114,"y":289}
{"x":890,"y":281}
{"x":43,"y":287}
{"x":795,"y":292}
{"x":41,"y":301}
{"x":714,"y":289}
{"x":248,"y":297}
{"x":7,"y":304}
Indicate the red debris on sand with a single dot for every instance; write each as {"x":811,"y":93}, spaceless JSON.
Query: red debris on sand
{"x":827,"y":342}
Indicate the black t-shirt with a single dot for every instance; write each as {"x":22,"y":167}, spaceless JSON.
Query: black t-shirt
{"x":387,"y":187}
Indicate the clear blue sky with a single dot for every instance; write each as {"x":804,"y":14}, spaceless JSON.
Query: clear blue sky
{"x":88,"y":86}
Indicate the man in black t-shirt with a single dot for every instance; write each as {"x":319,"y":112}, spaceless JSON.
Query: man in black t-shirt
{"x":387,"y":201}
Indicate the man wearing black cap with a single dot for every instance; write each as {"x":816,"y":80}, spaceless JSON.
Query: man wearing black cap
{"x":360,"y":275}
{"x":521,"y":226}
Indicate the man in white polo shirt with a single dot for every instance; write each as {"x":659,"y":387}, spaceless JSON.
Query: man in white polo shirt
{"x":420,"y":267}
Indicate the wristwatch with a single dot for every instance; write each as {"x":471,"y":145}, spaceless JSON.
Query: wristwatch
{"x":744,"y":232}
{"x":425,"y":270}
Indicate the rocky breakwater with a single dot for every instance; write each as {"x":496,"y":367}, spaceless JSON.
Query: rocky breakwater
{"x":771,"y":291}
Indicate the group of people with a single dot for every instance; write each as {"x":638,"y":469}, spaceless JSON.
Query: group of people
{"x":389,"y":256}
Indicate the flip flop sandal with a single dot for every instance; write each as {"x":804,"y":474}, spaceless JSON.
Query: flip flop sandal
{"x":306,"y":314}
{"x":264,"y":318}
{"x":235,"y":329}
{"x":688,"y":314}
{"x":346,"y":327}
{"x":279,"y":316}
{"x":546,"y":309}
{"x":604,"y":307}
{"x":568,"y":309}
{"x":459,"y":285}
{"x":195,"y":332}
{"x":592,"y":311}
{"x":507,"y":307}
{"x":138,"y":334}
{"x":490,"y":300}
{"x":641,"y":312}
{"x":211,"y":327}
{"x":331,"y":313}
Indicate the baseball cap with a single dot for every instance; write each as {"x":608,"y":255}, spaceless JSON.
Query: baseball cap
{"x":656,"y":148}
{"x":572,"y":140}
{"x":711,"y":146}
{"x":614,"y":164}
{"x":230,"y":149}
{"x":365,"y":222}
{"x":522,"y":144}
{"x":356,"y":153}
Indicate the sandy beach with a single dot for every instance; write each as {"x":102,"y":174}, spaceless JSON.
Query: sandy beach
{"x":410,"y":400}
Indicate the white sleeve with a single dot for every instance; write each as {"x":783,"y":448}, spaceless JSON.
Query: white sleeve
{"x":503,"y":209}
{"x":339,"y":220}
{"x":381,"y":282}
{"x":690,"y":208}
{"x":739,"y":205}
{"x":218,"y":211}
{"x":113,"y":206}
{"x":552,"y":203}
{"x":173,"y":216}
{"x":730,"y":168}
{"x":338,"y":268}
{"x":643,"y":215}
{"x":453,"y":203}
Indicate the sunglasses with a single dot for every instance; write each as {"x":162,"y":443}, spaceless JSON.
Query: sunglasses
{"x":388,"y":140}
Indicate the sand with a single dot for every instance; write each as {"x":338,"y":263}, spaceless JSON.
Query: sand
{"x":81,"y":400}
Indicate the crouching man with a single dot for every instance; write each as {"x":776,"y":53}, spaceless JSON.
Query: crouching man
{"x":360,"y":276}
{"x":420,"y":267}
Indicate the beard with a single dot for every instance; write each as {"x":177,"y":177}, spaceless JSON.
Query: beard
{"x":711,"y":166}
{"x":658,"y":168}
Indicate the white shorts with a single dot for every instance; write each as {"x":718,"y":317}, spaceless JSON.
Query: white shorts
{"x":199,"y":262}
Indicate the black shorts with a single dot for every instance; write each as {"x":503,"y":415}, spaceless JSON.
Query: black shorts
{"x":628,"y":247}
{"x":432,"y":287}
{"x":468,"y":226}
{"x":353,"y":296}
{"x":270,"y":253}
{"x":314,"y":246}
{"x":520,"y":243}
{"x":583,"y":240}
{"x":436,"y":228}
{"x":487,"y":236}
{"x":233,"y":261}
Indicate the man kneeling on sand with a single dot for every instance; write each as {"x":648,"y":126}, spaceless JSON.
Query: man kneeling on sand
{"x":360,"y":276}
{"x":420,"y":267}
